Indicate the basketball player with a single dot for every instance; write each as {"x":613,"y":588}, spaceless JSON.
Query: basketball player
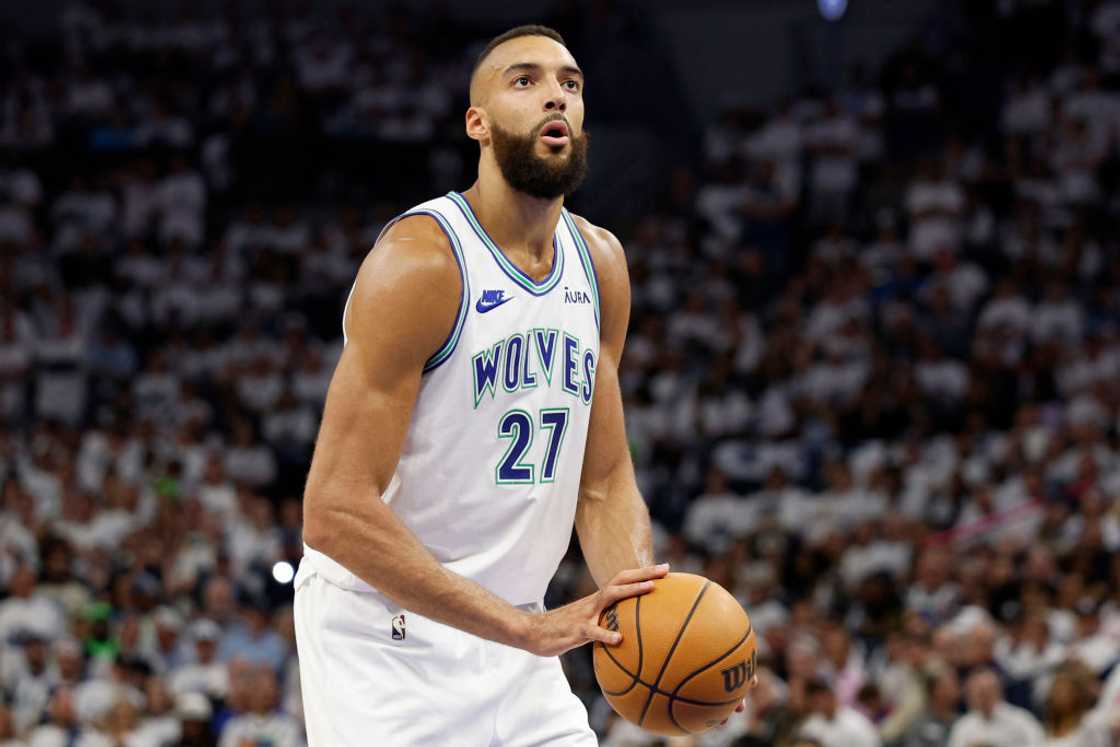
{"x":473,"y":419}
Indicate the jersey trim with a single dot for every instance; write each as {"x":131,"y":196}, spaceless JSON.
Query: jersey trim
{"x":510,"y":269}
{"x":448,"y":347}
{"x":452,"y":340}
{"x":585,"y":259}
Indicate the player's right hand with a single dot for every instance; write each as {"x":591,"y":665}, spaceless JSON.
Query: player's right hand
{"x":564,"y":628}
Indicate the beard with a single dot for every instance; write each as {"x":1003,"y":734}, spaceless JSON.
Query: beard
{"x":536,"y":176}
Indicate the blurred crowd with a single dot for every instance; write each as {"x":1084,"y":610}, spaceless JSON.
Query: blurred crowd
{"x":872,"y":388}
{"x":872,"y":380}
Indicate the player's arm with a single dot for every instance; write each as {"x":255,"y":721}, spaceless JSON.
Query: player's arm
{"x":611,"y":518}
{"x":403,"y":304}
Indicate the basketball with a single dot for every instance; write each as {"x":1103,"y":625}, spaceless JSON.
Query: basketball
{"x":686,"y":659}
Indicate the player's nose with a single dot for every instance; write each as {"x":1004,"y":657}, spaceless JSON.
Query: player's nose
{"x":555,"y":101}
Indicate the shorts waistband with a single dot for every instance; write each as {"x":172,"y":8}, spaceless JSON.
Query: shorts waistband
{"x":321,"y":563}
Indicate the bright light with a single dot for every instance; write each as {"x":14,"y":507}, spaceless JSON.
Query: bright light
{"x":832,"y":10}
{"x":283,"y":572}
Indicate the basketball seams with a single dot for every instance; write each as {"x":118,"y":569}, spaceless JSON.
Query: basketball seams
{"x":634,"y":678}
{"x":673,"y":717}
{"x":638,"y":632}
{"x":665,"y":663}
{"x":659,"y":691}
{"x":721,"y":657}
{"x":655,"y":690}
{"x":673,"y":695}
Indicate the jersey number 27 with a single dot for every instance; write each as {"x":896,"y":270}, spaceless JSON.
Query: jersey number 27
{"x":517,"y":427}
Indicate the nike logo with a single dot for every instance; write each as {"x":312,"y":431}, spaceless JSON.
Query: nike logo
{"x":490,"y":300}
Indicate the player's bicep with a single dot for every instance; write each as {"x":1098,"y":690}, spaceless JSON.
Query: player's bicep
{"x":608,"y":450}
{"x":403,"y":304}
{"x":364,"y":421}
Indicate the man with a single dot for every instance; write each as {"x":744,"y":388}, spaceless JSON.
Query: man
{"x":992,"y":721}
{"x":832,"y":724}
{"x":261,"y":723}
{"x":931,"y":728}
{"x":206,"y":674}
{"x":461,"y":441}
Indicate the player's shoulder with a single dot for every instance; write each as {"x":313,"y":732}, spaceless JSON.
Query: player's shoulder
{"x":417,"y":242}
{"x":411,"y":267}
{"x":412,"y":253}
{"x":607,"y":253}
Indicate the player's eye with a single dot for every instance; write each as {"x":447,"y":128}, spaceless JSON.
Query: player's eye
{"x":573,"y":85}
{"x":524,"y":78}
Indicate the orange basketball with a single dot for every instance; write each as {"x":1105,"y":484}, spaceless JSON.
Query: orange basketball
{"x":686,"y":659}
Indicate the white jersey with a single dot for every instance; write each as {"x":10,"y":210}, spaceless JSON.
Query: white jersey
{"x":490,"y":467}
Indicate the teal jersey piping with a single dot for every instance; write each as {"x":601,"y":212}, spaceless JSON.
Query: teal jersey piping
{"x":513,"y":271}
{"x":448,"y":347}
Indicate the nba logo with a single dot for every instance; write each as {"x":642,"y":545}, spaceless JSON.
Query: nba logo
{"x":398,"y":628}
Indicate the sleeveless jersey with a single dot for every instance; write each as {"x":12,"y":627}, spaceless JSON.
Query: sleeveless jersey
{"x":490,"y":467}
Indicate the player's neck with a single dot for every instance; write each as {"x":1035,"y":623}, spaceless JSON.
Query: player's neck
{"x":521,"y":225}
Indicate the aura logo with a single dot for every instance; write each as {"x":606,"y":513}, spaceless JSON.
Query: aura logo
{"x":576,"y":296}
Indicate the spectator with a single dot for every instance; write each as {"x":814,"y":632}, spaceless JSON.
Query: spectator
{"x":1070,"y":721}
{"x":193,"y":712}
{"x":833,"y":724}
{"x":933,"y":727}
{"x":259,"y":721}
{"x":991,"y":720}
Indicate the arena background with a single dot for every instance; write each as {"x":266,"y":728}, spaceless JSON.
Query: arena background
{"x":871,"y":379}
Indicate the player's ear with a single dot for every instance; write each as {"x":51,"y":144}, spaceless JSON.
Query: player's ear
{"x":478,"y":126}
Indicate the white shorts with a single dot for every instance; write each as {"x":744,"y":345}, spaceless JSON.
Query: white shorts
{"x":372,"y":679}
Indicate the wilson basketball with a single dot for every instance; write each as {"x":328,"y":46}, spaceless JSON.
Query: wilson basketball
{"x":686,"y":659}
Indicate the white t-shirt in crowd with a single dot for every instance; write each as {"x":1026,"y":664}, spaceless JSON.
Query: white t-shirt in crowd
{"x":847,"y":728}
{"x":1009,"y":726}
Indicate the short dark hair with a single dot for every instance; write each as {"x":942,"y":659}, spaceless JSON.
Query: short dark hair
{"x":532,"y":29}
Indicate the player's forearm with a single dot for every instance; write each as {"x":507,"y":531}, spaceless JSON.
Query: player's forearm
{"x":612,"y":522}
{"x":375,"y":546}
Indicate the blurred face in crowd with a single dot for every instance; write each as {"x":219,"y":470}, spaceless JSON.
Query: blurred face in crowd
{"x":836,"y":646}
{"x":980,"y":644}
{"x":241,"y":684}
{"x":122,"y":718}
{"x":194,"y":729}
{"x":22,"y":583}
{"x":519,"y":93}
{"x":263,"y":696}
{"x":823,"y":701}
{"x":35,"y":654}
{"x":61,"y":708}
{"x":159,"y":699}
{"x":219,"y":599}
{"x":70,"y":663}
{"x":1035,"y":632}
{"x":206,"y":649}
{"x":933,"y":569}
{"x":167,"y":636}
{"x":946,"y":690}
{"x":1064,"y":696}
{"x":984,"y":692}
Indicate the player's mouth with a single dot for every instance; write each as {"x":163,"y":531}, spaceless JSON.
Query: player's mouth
{"x":555,"y":133}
